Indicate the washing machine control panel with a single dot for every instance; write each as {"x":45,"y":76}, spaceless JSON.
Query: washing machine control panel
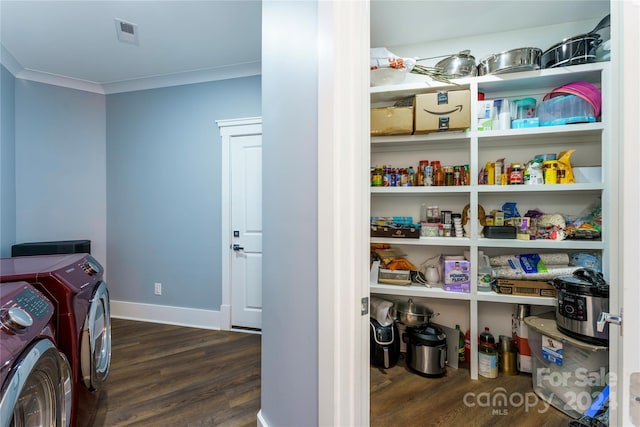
{"x":18,"y":314}
{"x":91,"y":267}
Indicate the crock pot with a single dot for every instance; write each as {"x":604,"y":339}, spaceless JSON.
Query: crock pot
{"x":582,"y":297}
{"x":426,"y":350}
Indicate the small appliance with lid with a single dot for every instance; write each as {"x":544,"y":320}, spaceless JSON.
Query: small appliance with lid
{"x":582,"y":298}
{"x":426,"y":350}
{"x":384,"y":344}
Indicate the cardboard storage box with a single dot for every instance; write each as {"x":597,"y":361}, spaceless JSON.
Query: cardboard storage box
{"x":567,"y":373}
{"x":444,"y":110}
{"x":392,"y":121}
{"x":531,"y":288}
{"x":402,"y":233}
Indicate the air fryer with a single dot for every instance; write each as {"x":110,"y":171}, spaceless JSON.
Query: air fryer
{"x":384,"y":343}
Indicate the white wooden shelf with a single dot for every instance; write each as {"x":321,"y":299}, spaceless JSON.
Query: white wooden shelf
{"x":424,"y":241}
{"x":417,"y":291}
{"x":593,"y":145}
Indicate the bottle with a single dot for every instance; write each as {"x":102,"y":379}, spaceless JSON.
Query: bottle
{"x":448,"y":175}
{"x":487,"y":355}
{"x":438,"y":175}
{"x":461,"y":345}
{"x":412,"y":177}
{"x":421,"y":172}
{"x":487,"y":338}
{"x":428,"y":175}
{"x":467,"y":345}
{"x":484,"y":273}
{"x":386,"y":177}
{"x":487,"y":361}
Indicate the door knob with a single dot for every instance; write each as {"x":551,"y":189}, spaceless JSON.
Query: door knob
{"x":237,"y":247}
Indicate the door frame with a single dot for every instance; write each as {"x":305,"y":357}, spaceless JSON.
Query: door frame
{"x":230,"y":128}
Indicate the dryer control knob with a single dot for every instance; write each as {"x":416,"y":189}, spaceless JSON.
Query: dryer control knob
{"x":16,"y":319}
{"x":91,"y":268}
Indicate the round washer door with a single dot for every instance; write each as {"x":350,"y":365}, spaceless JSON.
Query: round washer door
{"x":38,"y":392}
{"x":96,"y":339}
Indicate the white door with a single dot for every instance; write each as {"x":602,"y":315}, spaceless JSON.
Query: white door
{"x":242,"y":223}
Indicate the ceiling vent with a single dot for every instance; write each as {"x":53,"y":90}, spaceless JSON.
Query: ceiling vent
{"x":127,"y":31}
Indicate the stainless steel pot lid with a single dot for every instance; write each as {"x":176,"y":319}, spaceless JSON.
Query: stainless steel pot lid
{"x":412,"y":308}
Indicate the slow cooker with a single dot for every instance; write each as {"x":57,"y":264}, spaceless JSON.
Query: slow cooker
{"x":426,"y":350}
{"x":582,"y":297}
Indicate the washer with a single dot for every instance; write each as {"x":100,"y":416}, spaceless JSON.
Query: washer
{"x":35,"y":377}
{"x":74,"y":283}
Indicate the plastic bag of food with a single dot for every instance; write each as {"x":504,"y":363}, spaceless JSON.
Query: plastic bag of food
{"x":381,"y":57}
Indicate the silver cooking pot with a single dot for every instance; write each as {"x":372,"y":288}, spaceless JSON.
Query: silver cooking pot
{"x":411,"y":314}
{"x":522,"y":59}
{"x":459,"y":65}
{"x":579,"y":49}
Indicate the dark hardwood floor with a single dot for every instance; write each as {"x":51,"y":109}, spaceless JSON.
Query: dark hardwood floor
{"x":402,"y":398}
{"x":163,"y":375}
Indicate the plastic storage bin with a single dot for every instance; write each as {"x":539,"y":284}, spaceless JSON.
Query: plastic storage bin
{"x":563,"y":110}
{"x":567,"y":373}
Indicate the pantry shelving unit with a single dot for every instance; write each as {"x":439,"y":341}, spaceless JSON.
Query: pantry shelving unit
{"x":590,"y":140}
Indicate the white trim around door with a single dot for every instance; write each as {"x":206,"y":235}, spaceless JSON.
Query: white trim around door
{"x":228,"y":129}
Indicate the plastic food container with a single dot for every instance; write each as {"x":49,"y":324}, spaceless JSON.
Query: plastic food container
{"x":567,"y":373}
{"x":429,"y":229}
{"x":525,"y":108}
{"x":563,"y":110}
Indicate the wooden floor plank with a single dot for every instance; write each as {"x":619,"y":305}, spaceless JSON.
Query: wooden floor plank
{"x":166,"y":376}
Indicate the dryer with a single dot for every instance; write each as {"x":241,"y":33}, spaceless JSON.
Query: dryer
{"x":35,"y":377}
{"x":74,"y":283}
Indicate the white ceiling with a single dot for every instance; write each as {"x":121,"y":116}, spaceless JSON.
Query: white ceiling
{"x":404,"y":22}
{"x":177,"y":39}
{"x":74,"y":43}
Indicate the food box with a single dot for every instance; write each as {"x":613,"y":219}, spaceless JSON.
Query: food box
{"x":532,"y":288}
{"x":394,"y":277}
{"x":392,"y":121}
{"x":441,"y":111}
{"x":567,"y":373}
{"x":403,"y":232}
{"x":456,"y":275}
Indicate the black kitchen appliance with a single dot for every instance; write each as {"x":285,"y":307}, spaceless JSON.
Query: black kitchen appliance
{"x":582,"y":298}
{"x":426,"y":350}
{"x":384,"y":343}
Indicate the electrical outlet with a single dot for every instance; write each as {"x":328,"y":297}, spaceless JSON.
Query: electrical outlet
{"x":157,"y":288}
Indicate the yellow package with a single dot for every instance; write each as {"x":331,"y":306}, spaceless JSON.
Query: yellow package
{"x":565,"y":172}
{"x":490,"y":168}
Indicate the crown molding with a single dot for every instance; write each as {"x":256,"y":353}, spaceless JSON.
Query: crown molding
{"x":190,"y":77}
{"x":152,"y":82}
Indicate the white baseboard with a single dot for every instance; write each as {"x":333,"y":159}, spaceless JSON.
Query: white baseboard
{"x":261,"y":421}
{"x":191,"y":317}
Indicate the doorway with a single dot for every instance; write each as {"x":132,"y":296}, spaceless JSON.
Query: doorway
{"x":241,"y":170}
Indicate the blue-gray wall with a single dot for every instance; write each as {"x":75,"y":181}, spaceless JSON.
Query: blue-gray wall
{"x":7,"y":163}
{"x":290,"y":214}
{"x":163,"y":189}
{"x":60,"y":165}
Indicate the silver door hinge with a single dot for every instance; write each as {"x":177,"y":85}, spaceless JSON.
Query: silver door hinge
{"x":364,"y":306}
